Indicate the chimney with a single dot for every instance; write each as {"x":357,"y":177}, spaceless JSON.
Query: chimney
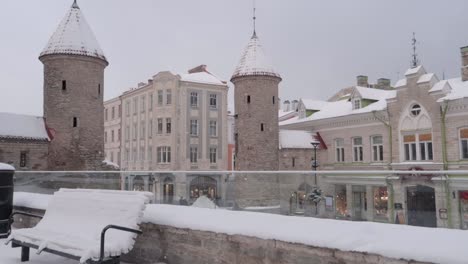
{"x":150,"y":81}
{"x":362,"y":81}
{"x":384,"y":84}
{"x":279,"y":103}
{"x":286,"y":106}
{"x":295,"y":104}
{"x":464,"y":70}
{"x":200,"y":68}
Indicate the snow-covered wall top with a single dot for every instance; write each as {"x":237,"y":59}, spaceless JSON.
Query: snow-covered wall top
{"x":6,"y":167}
{"x":295,"y":139}
{"x":436,"y":245}
{"x":254,"y":61}
{"x":74,"y":36}
{"x":22,"y":126}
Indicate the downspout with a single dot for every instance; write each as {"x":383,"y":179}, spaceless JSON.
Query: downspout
{"x":443,"y":122}
{"x":387,"y":180}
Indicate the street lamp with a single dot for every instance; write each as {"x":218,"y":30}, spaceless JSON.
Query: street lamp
{"x":315,"y":145}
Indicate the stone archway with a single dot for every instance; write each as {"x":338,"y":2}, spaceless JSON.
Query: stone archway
{"x":203,"y":185}
{"x":421,"y":206}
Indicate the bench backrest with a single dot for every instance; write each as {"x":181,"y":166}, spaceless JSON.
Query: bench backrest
{"x":84,"y":213}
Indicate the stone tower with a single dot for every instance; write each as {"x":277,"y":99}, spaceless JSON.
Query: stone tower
{"x":256,"y":103}
{"x":73,"y":95}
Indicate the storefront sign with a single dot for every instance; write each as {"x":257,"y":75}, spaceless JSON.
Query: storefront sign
{"x":398,"y":206}
{"x":443,"y":214}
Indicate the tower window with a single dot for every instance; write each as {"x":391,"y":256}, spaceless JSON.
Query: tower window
{"x":248,"y":99}
{"x":75,"y":121}
{"x":99,"y":89}
{"x":64,"y":85}
{"x":262,"y":127}
{"x":273,"y":100}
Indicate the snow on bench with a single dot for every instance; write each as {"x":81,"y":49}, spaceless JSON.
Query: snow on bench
{"x":75,"y":218}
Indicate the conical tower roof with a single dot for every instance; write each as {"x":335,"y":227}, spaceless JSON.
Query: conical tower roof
{"x":254,"y":61}
{"x":74,"y":36}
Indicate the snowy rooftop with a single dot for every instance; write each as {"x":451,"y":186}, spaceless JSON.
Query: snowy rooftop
{"x":74,"y":36}
{"x":254,"y":61}
{"x":374,"y":93}
{"x":311,"y":104}
{"x":457,"y":89}
{"x":202,"y":77}
{"x":296,"y":139}
{"x":22,"y":126}
{"x":414,"y":70}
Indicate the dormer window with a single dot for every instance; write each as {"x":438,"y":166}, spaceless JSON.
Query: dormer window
{"x":415,"y":110}
{"x":357,"y":104}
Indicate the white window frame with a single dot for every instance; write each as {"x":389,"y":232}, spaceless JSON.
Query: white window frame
{"x":160,"y":126}
{"x":168,"y":96}
{"x":194,"y":99}
{"x":213,"y":99}
{"x":357,"y":103}
{"x":193,"y":154}
{"x":168,"y":125}
{"x":163,"y":155}
{"x":417,"y":156}
{"x":358,"y":150}
{"x":461,"y":140}
{"x":339,"y":150}
{"x":213,"y":155}
{"x":377,"y":149}
{"x":160,"y":97}
{"x":194,"y":127}
{"x":213,"y":128}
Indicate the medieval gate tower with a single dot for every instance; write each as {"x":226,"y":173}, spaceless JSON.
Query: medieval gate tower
{"x":73,"y":95}
{"x":256,"y":98}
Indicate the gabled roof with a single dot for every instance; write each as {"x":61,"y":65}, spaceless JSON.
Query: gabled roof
{"x":418,"y":69}
{"x":459,"y":90}
{"x":254,"y":61}
{"x":201,"y":77}
{"x":74,"y":36}
{"x":311,"y":104}
{"x":17,"y":126}
{"x":374,"y":93}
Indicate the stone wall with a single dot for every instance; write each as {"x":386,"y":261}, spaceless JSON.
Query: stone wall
{"x":36,"y":153}
{"x":180,"y":246}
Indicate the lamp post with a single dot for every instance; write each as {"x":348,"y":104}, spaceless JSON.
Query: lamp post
{"x":315,"y":145}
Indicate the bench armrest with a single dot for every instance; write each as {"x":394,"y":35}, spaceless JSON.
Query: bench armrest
{"x":25,"y":214}
{"x":121,"y":228}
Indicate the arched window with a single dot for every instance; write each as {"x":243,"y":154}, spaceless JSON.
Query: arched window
{"x":415,"y":110}
{"x":203,"y":186}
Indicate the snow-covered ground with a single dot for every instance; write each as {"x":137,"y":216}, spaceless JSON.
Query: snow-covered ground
{"x":10,"y":255}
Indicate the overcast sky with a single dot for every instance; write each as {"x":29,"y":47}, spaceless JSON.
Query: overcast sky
{"x":317,"y":46}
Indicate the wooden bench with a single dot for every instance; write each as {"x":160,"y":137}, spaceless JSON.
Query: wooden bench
{"x":92,"y":226}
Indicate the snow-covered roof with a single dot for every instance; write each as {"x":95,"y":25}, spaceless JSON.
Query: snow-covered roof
{"x":254,"y":61}
{"x":439,"y":86}
{"x":414,"y":70}
{"x":297,"y":139}
{"x":374,"y":93}
{"x":202,"y":77}
{"x":311,"y":104}
{"x":400,"y":83}
{"x":426,"y":77}
{"x":74,"y":36}
{"x":22,"y":126}
{"x":459,"y":90}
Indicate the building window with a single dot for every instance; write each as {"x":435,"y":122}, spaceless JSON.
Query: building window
{"x":113,"y":112}
{"x":112,"y":156}
{"x":415,"y":110}
{"x":142,"y":130}
{"x":418,"y":147}
{"x":164,"y":155}
{"x":127,"y":133}
{"x":112,"y":136}
{"x":293,"y":162}
{"x":135,"y":106}
{"x":168,"y":126}
{"x":341,"y":204}
{"x":213,"y":152}
{"x":274,"y":100}
{"x":194,"y":127}
{"x":248,"y":99}
{"x":160,"y":97}
{"x":193,"y":154}
{"x":339,"y":147}
{"x":464,"y":143}
{"x":23,"y":159}
{"x":75,"y":121}
{"x":119,"y":135}
{"x":127,"y":108}
{"x":377,"y":148}
{"x":64,"y":85}
{"x":106,"y":114}
{"x":151,"y":102}
{"x":194,"y":99}
{"x":135,"y":131}
{"x":134,"y":156}
{"x":150,"y":154}
{"x":213,"y":101}
{"x":262,"y":127}
{"x":213,"y":128}
{"x":380,"y":202}
{"x":143,"y":105}
{"x":120,"y":111}
{"x":99,"y":89}
{"x":127,"y":154}
{"x":150,"y":128}
{"x":160,"y":125}
{"x":105,"y":137}
{"x":168,"y":96}
{"x":357,"y":104}
{"x":142,"y":153}
{"x":357,"y":149}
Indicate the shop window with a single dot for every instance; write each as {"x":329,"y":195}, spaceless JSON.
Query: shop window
{"x":341,"y":205}
{"x":464,"y":143}
{"x":381,"y":202}
{"x":464,"y":209}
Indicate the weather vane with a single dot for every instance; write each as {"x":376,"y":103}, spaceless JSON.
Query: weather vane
{"x":415,"y":60}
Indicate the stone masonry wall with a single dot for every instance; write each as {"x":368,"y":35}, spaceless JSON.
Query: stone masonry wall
{"x":184,"y":246}
{"x":36,"y":153}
